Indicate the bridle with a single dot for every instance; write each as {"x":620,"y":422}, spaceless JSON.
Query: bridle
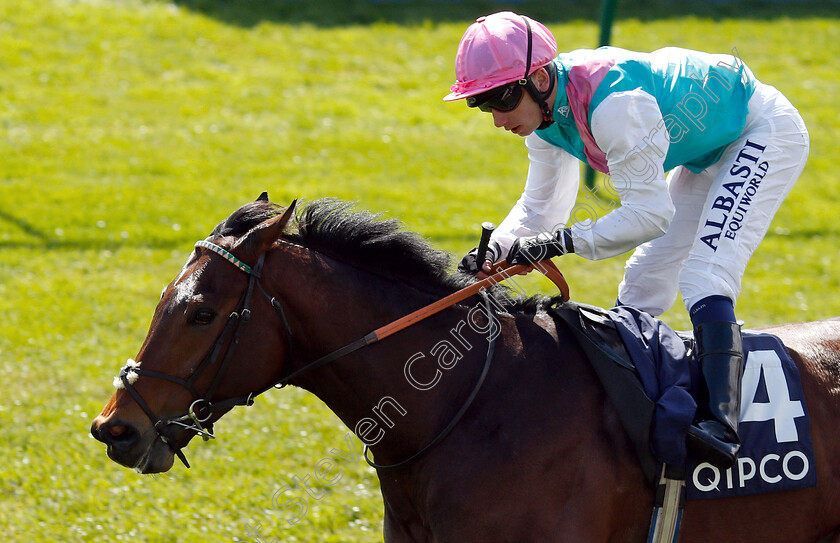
{"x":202,"y":409}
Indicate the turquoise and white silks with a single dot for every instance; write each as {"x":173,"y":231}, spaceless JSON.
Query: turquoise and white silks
{"x":636,"y":116}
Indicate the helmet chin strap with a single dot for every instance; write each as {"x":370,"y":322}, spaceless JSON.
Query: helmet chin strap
{"x":539,"y":97}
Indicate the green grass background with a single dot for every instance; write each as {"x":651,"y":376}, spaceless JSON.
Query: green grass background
{"x":129,"y":128}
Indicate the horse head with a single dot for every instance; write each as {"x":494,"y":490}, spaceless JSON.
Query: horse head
{"x":180,"y":382}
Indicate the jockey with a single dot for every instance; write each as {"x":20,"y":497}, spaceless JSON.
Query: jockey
{"x":734,"y":148}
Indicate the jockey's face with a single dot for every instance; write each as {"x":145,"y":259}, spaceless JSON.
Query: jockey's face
{"x":522,"y":120}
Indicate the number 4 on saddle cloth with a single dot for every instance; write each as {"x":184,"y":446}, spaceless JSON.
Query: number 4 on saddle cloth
{"x":650,"y":375}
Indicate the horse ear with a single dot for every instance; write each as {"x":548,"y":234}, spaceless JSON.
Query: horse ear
{"x":263,"y":197}
{"x":262,"y":237}
{"x":287,"y":215}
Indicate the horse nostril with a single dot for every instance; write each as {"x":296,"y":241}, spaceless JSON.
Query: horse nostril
{"x":115,"y":433}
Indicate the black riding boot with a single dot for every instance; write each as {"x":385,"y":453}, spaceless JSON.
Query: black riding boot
{"x":714,"y":435}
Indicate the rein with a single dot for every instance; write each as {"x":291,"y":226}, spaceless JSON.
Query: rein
{"x":467,"y":403}
{"x":503,"y":271}
{"x":201,"y":409}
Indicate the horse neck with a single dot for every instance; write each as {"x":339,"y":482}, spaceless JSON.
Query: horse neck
{"x":331,"y":304}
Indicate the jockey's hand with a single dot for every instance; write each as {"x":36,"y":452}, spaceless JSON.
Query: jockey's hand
{"x":469,"y":263}
{"x":533,"y":249}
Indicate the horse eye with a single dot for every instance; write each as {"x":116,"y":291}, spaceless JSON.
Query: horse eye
{"x":162,"y":292}
{"x":203,"y":317}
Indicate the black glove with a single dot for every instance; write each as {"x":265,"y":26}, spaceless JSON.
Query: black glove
{"x":468,"y":263}
{"x":532,"y":249}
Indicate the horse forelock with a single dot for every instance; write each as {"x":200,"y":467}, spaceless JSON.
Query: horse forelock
{"x":368,"y":241}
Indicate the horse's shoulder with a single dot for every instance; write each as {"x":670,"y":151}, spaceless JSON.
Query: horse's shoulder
{"x":548,"y":323}
{"x":543,"y":332}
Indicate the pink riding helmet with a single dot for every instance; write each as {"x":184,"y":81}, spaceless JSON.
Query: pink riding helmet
{"x":493,"y":50}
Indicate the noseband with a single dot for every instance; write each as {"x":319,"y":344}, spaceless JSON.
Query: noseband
{"x":202,"y":409}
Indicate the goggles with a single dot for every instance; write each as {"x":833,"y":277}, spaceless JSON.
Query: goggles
{"x":504,"y":98}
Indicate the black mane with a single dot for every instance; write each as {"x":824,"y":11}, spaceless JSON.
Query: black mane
{"x":367,"y":241}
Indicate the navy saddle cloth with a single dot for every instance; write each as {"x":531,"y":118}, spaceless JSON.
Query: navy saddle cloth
{"x":652,"y":378}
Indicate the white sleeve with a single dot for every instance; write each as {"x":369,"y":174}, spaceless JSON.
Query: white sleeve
{"x":549,"y":196}
{"x":628,"y":127}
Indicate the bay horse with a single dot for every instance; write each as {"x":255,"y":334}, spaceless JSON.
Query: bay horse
{"x":538,"y":454}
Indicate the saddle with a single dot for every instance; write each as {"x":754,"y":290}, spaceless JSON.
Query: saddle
{"x":637,"y":357}
{"x":599,"y":338}
{"x":651,"y":378}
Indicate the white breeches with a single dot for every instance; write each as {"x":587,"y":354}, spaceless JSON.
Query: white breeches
{"x":722,"y":213}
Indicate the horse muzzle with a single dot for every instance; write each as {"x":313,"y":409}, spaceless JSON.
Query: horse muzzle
{"x":129,"y":447}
